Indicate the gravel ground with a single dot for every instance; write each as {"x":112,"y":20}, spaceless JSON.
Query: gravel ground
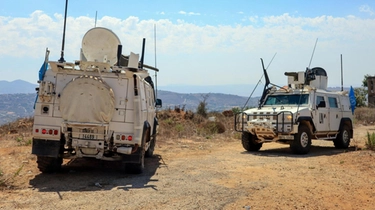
{"x":198,"y":174}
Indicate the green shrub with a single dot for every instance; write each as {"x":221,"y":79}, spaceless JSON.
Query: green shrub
{"x":2,"y":180}
{"x":236,"y":110}
{"x":202,"y":107}
{"x":370,"y":144}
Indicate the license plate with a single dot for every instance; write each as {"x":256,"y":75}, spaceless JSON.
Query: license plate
{"x":88,"y":135}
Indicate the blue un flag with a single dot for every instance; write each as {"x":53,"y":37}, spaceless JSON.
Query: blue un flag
{"x":42,"y":72}
{"x":352,"y":99}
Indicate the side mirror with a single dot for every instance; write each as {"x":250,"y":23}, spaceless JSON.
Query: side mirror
{"x":158,"y":103}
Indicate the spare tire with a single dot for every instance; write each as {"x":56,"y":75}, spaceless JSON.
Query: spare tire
{"x":87,"y":99}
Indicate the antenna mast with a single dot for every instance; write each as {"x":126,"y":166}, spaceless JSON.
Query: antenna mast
{"x":258,"y":83}
{"x":156,"y":75}
{"x":96,"y":17}
{"x":342,"y":77}
{"x":61,"y":60}
{"x":312,"y":55}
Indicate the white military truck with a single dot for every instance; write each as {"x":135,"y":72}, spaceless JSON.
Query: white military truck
{"x":102,"y":106}
{"x":297,"y":113}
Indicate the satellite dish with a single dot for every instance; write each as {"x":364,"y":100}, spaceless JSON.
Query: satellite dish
{"x":100,"y":45}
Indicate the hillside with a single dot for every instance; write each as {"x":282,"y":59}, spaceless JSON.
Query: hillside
{"x":16,"y":86}
{"x":215,"y":101}
{"x":13,"y":106}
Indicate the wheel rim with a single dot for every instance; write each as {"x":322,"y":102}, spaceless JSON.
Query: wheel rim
{"x":345,"y":136}
{"x":304,"y":139}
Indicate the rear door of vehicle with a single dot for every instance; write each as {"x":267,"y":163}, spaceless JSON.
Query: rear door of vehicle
{"x":334,"y":112}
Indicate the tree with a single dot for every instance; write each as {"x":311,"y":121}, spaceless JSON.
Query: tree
{"x":364,"y":81}
{"x":202,"y":106}
{"x":360,"y":96}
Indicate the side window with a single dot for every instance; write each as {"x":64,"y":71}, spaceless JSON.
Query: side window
{"x":151,"y":102}
{"x":320,"y":101}
{"x":333,"y":102}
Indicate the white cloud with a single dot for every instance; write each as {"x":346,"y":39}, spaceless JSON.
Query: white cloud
{"x":194,"y":13}
{"x":366,"y":9}
{"x":229,"y":54}
{"x":188,"y":13}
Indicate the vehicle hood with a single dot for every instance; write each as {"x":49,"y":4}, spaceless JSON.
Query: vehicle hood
{"x":276,"y":109}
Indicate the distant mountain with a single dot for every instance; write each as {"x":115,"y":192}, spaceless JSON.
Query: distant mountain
{"x":13,"y":106}
{"x":16,"y":86}
{"x":17,"y":99}
{"x":234,"y":89}
{"x":215,"y":101}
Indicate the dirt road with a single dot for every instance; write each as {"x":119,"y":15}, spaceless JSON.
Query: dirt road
{"x":199,"y":174}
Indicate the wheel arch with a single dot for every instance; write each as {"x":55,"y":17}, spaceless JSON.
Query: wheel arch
{"x":348,"y":122}
{"x":308,"y":122}
{"x":156,"y":123}
{"x":146,"y":127}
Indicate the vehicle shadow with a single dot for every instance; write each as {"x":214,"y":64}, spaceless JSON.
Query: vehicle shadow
{"x":87,"y":174}
{"x":314,"y":152}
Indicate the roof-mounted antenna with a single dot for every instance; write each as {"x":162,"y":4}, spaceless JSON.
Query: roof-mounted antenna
{"x":312,"y":55}
{"x":143,"y":53}
{"x":342,"y":75}
{"x":156,"y":75}
{"x":266,"y":89}
{"x":259,"y":81}
{"x":62,"y":60}
{"x":96,"y":17}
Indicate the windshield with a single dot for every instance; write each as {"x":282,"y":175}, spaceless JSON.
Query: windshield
{"x":287,"y":99}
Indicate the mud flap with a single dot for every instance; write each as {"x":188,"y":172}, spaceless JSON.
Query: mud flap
{"x":48,"y":148}
{"x":132,"y":158}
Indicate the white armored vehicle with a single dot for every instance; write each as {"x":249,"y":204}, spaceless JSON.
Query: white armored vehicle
{"x":297,"y":113}
{"x":102,"y":106}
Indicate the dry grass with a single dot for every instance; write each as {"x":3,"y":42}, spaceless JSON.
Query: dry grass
{"x":20,"y":134}
{"x":173,"y":124}
{"x":19,"y":126}
{"x":186,"y":124}
{"x":364,"y":115}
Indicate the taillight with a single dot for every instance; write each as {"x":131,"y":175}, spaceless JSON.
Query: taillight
{"x":36,"y":130}
{"x":55,"y":132}
{"x":44,"y":131}
{"x":117,"y":137}
{"x":50,"y":132}
{"x":130,"y":138}
{"x":123,"y":137}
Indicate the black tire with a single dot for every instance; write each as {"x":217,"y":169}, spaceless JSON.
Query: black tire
{"x":150,"y":151}
{"x":302,"y":141}
{"x":342,"y":140}
{"x":49,"y":164}
{"x":136,"y":168}
{"x":248,"y":142}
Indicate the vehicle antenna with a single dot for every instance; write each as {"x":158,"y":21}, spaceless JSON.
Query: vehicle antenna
{"x":96,"y":17}
{"x":342,"y":75}
{"x":258,"y":83}
{"x":156,"y":75}
{"x":312,"y":55}
{"x":143,"y":53}
{"x":61,"y":60}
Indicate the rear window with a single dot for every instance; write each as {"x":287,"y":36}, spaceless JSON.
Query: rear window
{"x":332,"y":102}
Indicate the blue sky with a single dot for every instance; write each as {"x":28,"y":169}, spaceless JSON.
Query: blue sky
{"x":199,"y":42}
